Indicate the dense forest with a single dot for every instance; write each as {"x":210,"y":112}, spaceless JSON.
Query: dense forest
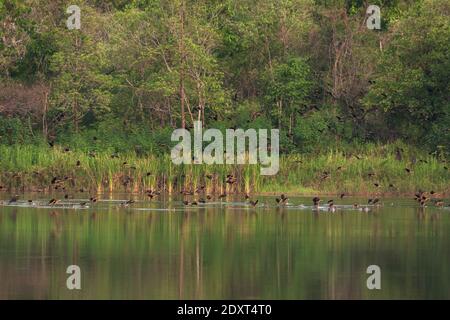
{"x":137,"y":69}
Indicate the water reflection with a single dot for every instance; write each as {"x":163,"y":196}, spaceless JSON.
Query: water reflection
{"x":223,"y":252}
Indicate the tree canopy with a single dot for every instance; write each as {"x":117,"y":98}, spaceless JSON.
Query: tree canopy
{"x":309,"y":67}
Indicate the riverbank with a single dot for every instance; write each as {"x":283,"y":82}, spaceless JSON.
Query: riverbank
{"x":376,"y":169}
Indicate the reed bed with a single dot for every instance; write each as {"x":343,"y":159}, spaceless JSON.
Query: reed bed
{"x":34,"y":168}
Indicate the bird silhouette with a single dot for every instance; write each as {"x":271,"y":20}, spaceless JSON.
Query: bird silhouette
{"x":439,"y":203}
{"x":282,"y":200}
{"x":331,"y":206}
{"x":316,"y":201}
{"x":53,"y":201}
{"x":13,"y":199}
{"x":187,"y":203}
{"x":231,"y":179}
{"x":254,"y":203}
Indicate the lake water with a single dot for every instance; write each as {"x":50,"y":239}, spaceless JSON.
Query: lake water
{"x":223,"y":250}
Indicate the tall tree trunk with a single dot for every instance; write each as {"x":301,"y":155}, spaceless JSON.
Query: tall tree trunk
{"x":280,"y":112}
{"x":44,"y":114}
{"x":201,"y":102}
{"x":182,"y":62}
{"x":75,"y":114}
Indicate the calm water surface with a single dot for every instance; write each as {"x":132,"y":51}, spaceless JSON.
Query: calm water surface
{"x":229,"y":250}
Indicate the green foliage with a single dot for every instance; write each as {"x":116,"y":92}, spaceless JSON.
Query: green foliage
{"x":412,"y":84}
{"x":347,"y":171}
{"x":112,"y":136}
{"x":14,"y":34}
{"x":290,"y":85}
{"x":308,"y":132}
{"x":13,"y":130}
{"x":291,"y":64}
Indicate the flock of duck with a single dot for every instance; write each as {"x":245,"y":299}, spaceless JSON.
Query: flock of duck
{"x":423,"y":198}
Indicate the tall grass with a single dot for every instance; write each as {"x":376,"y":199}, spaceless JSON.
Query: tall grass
{"x":32,"y":168}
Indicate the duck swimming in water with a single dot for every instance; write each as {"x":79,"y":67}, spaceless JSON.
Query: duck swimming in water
{"x":331,"y":206}
{"x":254,"y":203}
{"x":316,"y":201}
{"x":282,"y":200}
{"x":52,"y":202}
{"x":14,"y":199}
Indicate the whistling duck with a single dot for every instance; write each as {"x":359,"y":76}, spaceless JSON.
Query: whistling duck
{"x":282,"y":200}
{"x":439,"y":203}
{"x":316,"y":201}
{"x":254,"y":203}
{"x":53,"y":202}
{"x":13,"y":199}
{"x":331,"y":207}
{"x":187,"y":203}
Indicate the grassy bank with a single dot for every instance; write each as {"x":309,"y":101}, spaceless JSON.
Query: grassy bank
{"x":37,"y":168}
